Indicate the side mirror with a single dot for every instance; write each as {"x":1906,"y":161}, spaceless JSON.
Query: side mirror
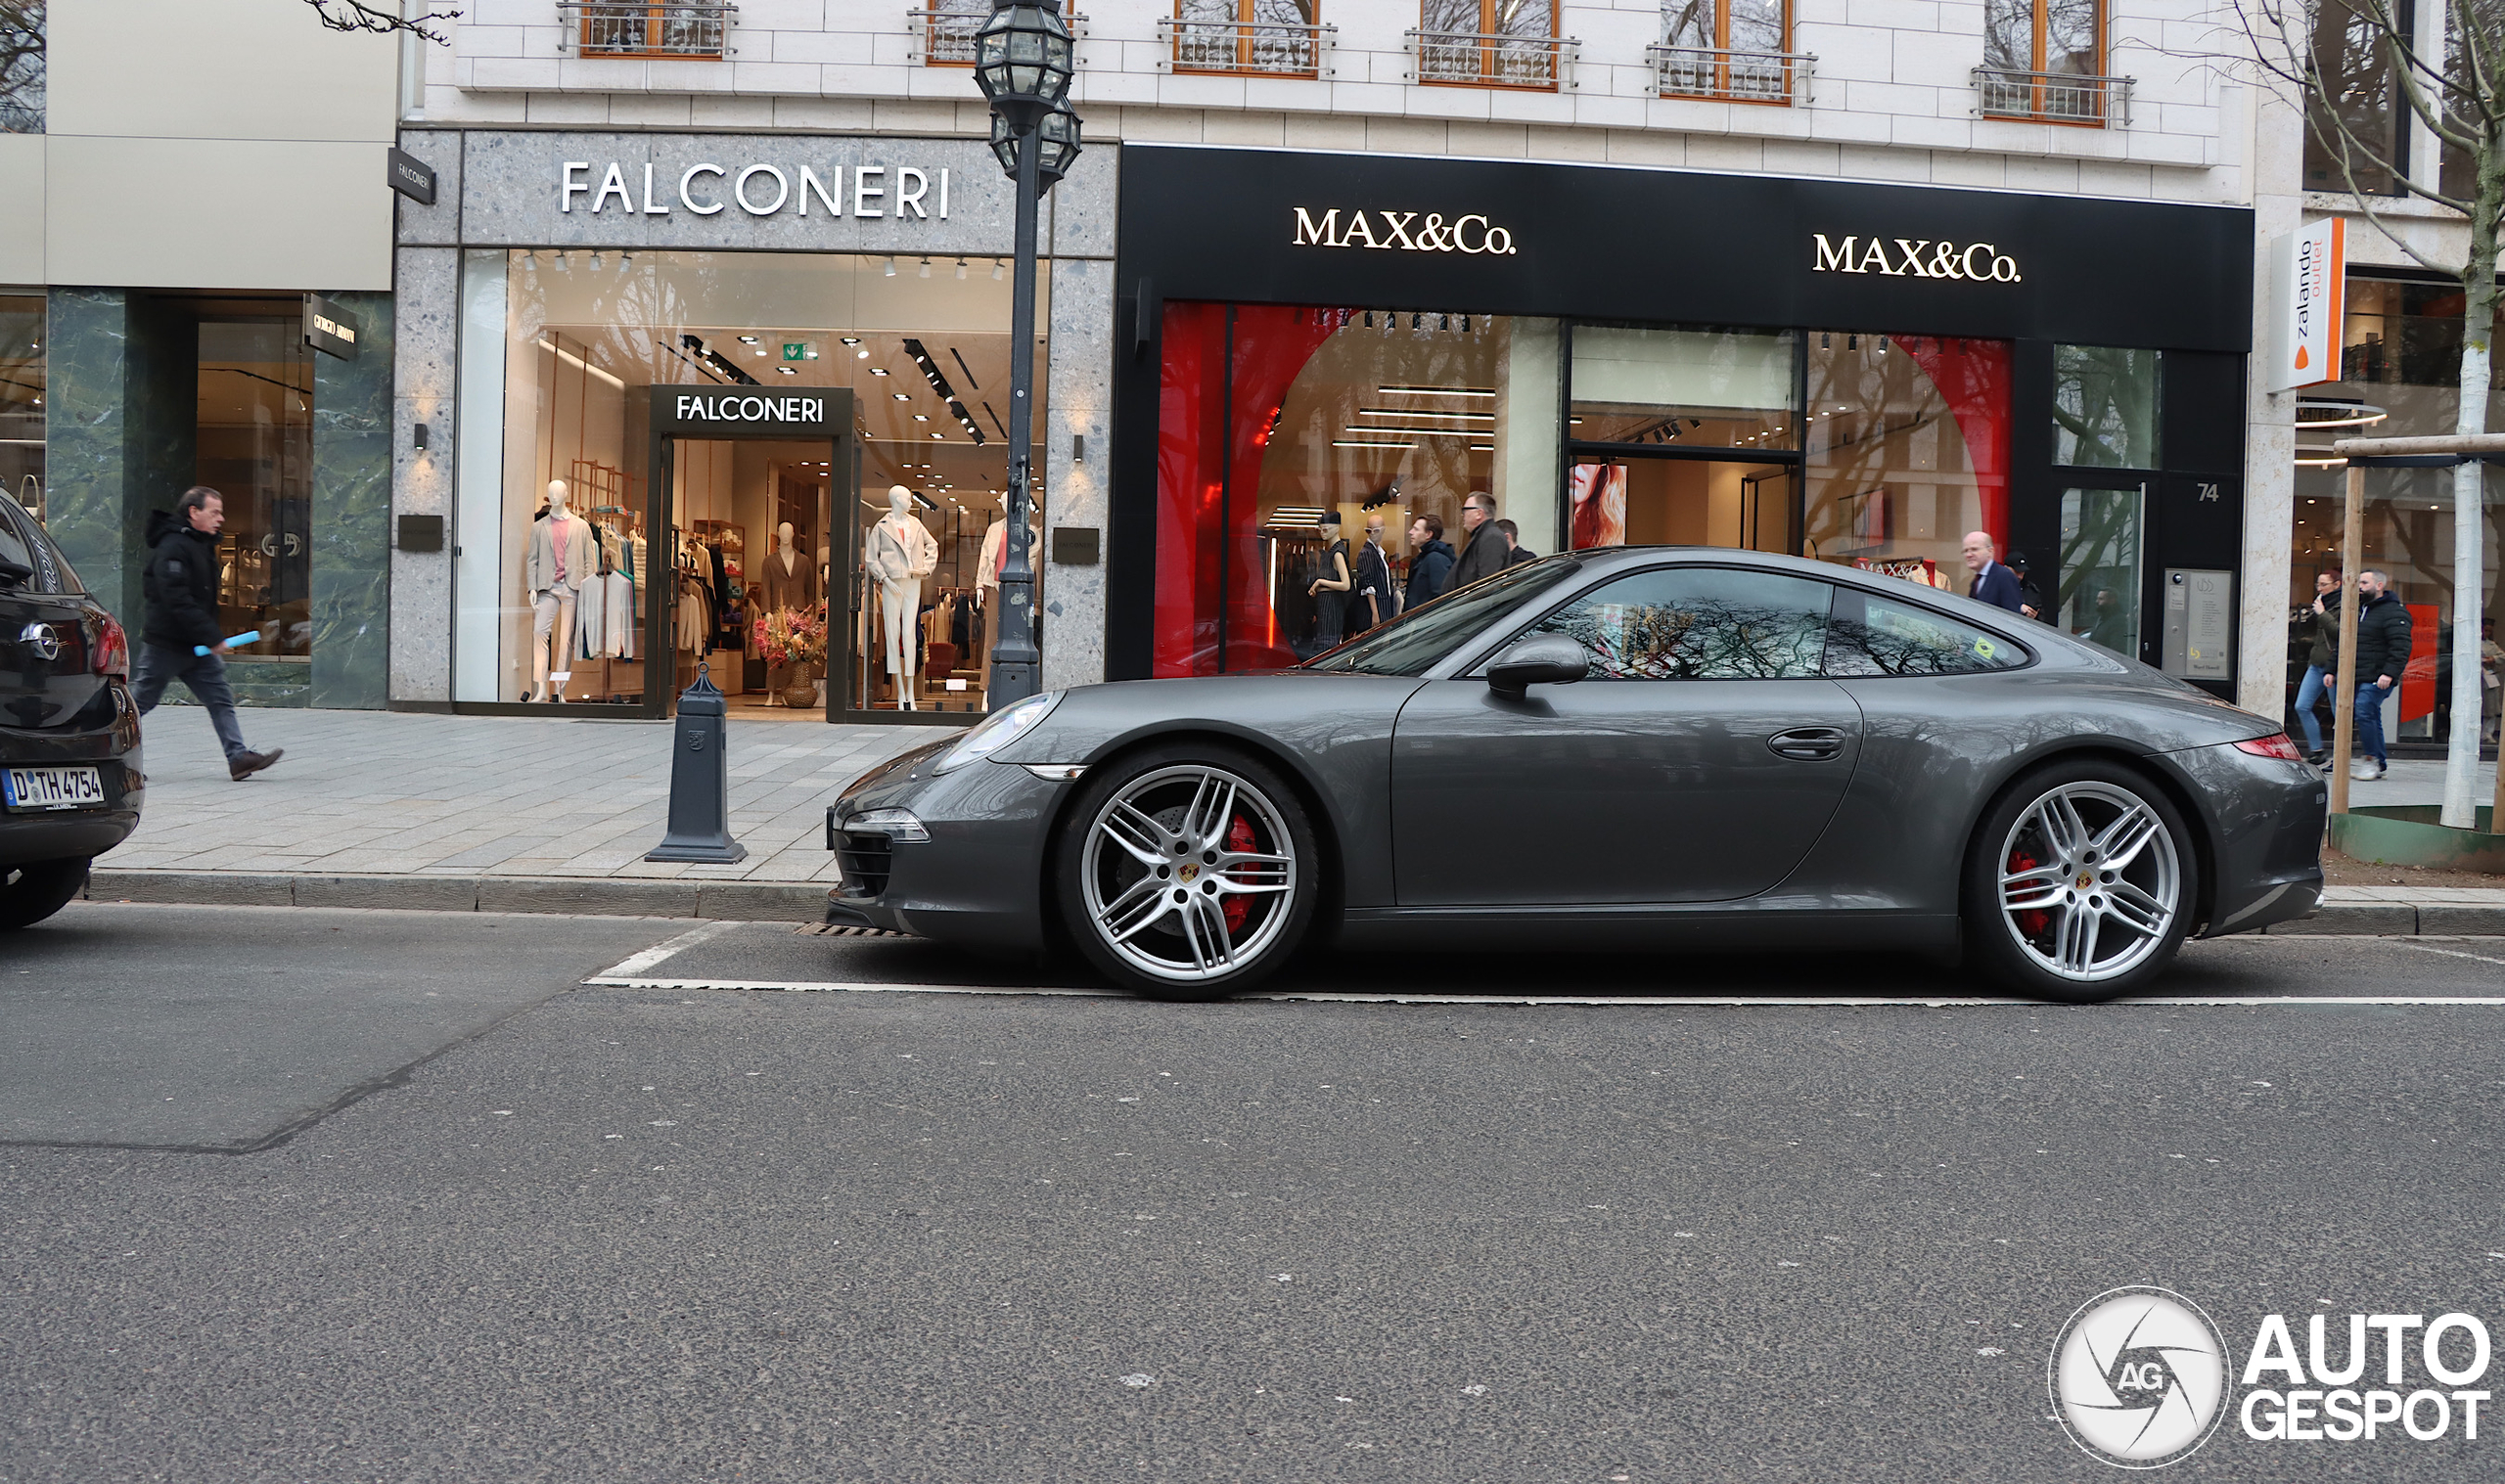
{"x":1544,"y":659}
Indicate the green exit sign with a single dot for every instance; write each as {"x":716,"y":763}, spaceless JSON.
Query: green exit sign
{"x":794,"y":350}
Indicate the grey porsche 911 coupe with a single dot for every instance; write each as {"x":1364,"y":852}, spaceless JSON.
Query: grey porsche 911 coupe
{"x":1621,"y":748}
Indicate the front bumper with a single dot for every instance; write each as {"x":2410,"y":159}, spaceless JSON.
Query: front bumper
{"x":977,"y":881}
{"x":2270,"y":813}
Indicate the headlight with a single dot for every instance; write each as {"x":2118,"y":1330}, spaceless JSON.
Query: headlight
{"x":997,"y":730}
{"x":895,"y":823}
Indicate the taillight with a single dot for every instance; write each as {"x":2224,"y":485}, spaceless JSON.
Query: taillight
{"x":2277,"y":744}
{"x":113,"y":647}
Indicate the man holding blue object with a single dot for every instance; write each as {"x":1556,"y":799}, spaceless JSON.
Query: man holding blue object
{"x":182,"y":639}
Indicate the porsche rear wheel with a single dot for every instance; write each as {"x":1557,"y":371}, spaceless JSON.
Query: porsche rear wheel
{"x":1187,"y":873}
{"x":2079,"y":883}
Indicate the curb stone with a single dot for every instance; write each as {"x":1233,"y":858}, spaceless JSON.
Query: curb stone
{"x":599,"y":896}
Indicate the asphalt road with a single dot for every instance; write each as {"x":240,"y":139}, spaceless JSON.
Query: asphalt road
{"x":672,"y":1234}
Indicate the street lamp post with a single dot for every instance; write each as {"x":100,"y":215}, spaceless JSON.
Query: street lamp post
{"x":1023,"y":61}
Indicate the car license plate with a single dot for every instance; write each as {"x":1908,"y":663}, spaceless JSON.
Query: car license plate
{"x":53,"y":787}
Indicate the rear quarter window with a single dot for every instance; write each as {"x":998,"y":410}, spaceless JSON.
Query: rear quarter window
{"x":22,"y":540}
{"x":1870,"y":635}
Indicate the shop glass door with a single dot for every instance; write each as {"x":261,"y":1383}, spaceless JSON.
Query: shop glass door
{"x":2100,"y":593}
{"x":746,"y":567}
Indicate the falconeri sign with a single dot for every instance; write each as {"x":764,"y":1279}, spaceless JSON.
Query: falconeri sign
{"x":1914,"y":257}
{"x":704,"y":189}
{"x":1401,"y":232}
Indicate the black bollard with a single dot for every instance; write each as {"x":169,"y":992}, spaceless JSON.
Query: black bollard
{"x":699,"y":782}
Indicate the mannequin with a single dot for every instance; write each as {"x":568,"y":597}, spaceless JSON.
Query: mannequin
{"x":561,"y":559}
{"x":897,"y":556}
{"x":790,"y":578}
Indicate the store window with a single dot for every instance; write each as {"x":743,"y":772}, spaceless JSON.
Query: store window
{"x":741,"y":569}
{"x":1648,"y":405}
{"x":1284,"y":431}
{"x":1488,"y":43}
{"x":254,"y":447}
{"x":1698,"y":623}
{"x":22,"y":387}
{"x":1905,"y":449}
{"x":2104,"y":403}
{"x":1732,"y":49}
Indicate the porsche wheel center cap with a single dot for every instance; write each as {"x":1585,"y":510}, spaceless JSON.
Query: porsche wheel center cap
{"x":1190,"y":870}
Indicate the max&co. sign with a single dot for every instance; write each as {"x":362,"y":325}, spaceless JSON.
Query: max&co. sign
{"x":1401,"y":232}
{"x":1915,"y":257}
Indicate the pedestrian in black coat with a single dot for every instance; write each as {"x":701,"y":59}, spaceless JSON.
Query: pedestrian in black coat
{"x":181,"y":638}
{"x":1483,"y":551}
{"x":1429,"y":562}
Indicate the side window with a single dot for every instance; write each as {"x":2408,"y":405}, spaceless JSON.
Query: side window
{"x":1877,"y":635}
{"x":1698,"y":623}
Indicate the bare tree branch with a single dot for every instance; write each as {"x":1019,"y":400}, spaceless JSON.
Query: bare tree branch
{"x":357,"y":16}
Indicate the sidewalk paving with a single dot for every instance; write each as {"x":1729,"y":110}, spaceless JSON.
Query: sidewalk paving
{"x":521,"y":814}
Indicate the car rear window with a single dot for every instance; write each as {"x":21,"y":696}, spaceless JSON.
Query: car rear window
{"x":1871,"y":635}
{"x":22,"y":540}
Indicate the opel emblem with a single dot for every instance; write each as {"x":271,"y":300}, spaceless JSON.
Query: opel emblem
{"x":40,"y":638}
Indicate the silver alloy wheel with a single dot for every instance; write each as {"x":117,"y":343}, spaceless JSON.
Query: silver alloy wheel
{"x":1163,"y":860}
{"x":2089,"y":882}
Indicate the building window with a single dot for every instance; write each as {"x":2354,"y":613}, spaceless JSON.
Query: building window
{"x":1268,"y":38}
{"x":1907,"y":447}
{"x":2045,"y":59}
{"x":22,"y":68}
{"x":648,"y":28}
{"x":2354,"y":98}
{"x":253,"y":445}
{"x":1491,"y":43}
{"x":1738,"y":50}
{"x":2105,"y":402}
{"x":22,"y":367}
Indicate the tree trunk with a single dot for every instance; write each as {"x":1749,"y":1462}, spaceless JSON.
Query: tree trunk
{"x":2470,"y":515}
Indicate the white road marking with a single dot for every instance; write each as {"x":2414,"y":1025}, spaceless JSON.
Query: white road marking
{"x":2450,"y":953}
{"x":614,"y":980}
{"x":638,"y":963}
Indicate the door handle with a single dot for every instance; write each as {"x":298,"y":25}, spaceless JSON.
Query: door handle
{"x":1807,"y":745}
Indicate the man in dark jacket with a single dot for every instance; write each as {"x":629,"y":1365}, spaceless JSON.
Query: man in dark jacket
{"x":1429,"y":562}
{"x":182,"y":639}
{"x":1484,"y":550}
{"x":2383,"y":655}
{"x":2320,"y":626}
{"x":1515,"y":554}
{"x":1993,"y":583}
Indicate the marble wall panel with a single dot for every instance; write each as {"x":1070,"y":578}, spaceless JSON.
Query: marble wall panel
{"x":351,"y":582}
{"x":438,"y":225}
{"x":121,"y":402}
{"x":1079,"y":394}
{"x":425,"y":317}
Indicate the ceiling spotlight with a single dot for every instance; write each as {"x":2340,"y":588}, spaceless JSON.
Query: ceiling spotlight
{"x":891,"y":267}
{"x":998,"y":268}
{"x":594,"y":262}
{"x":747,"y":339}
{"x":877,"y":371}
{"x":902,"y":397}
{"x":925,"y":269}
{"x":853,"y":339}
{"x":863,"y":354}
{"x":961,"y":268}
{"x":922,"y":417}
{"x":531,"y":258}
{"x":786,"y":370}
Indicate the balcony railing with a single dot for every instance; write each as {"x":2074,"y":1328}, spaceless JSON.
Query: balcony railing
{"x":1733,"y":75}
{"x":1474,"y":59}
{"x":647,"y":27}
{"x":944,"y":35}
{"x":2053,"y":97}
{"x":1251,"y":48}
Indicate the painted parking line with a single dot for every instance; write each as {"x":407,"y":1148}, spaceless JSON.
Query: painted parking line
{"x":614,"y":980}
{"x":636,"y":964}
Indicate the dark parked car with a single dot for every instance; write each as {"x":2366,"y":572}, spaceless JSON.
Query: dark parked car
{"x":69,"y":777}
{"x":1635,"y":746}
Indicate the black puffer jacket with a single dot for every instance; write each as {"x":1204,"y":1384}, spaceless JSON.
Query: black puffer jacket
{"x":2383,"y":638}
{"x":180,"y":584}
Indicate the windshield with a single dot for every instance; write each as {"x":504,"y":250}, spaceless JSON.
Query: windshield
{"x":1413,"y":641}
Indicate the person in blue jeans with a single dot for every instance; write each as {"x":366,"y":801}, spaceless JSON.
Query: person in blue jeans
{"x":2383,"y":655}
{"x":2321,"y":621}
{"x":182,"y":639}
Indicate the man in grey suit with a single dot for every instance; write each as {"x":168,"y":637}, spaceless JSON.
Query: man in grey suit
{"x":1483,"y":551}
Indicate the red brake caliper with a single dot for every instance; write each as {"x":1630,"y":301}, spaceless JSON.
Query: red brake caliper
{"x":1239,"y":838}
{"x":2034,"y":920}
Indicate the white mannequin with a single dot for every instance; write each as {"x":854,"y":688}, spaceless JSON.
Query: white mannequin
{"x":900,"y":554}
{"x":561,"y":560}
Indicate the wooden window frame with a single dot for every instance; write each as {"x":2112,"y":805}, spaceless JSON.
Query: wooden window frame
{"x":1721,"y":91}
{"x":1488,"y":54}
{"x":1247,"y":24}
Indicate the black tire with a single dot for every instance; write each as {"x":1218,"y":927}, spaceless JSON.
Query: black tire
{"x":33,"y":892}
{"x":1218,"y":824}
{"x":2074,"y":926}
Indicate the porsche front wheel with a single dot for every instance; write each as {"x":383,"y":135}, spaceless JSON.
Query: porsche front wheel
{"x":1185,"y":872}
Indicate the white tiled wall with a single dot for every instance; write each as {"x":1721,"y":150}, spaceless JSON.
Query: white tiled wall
{"x":1891,"y":97}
